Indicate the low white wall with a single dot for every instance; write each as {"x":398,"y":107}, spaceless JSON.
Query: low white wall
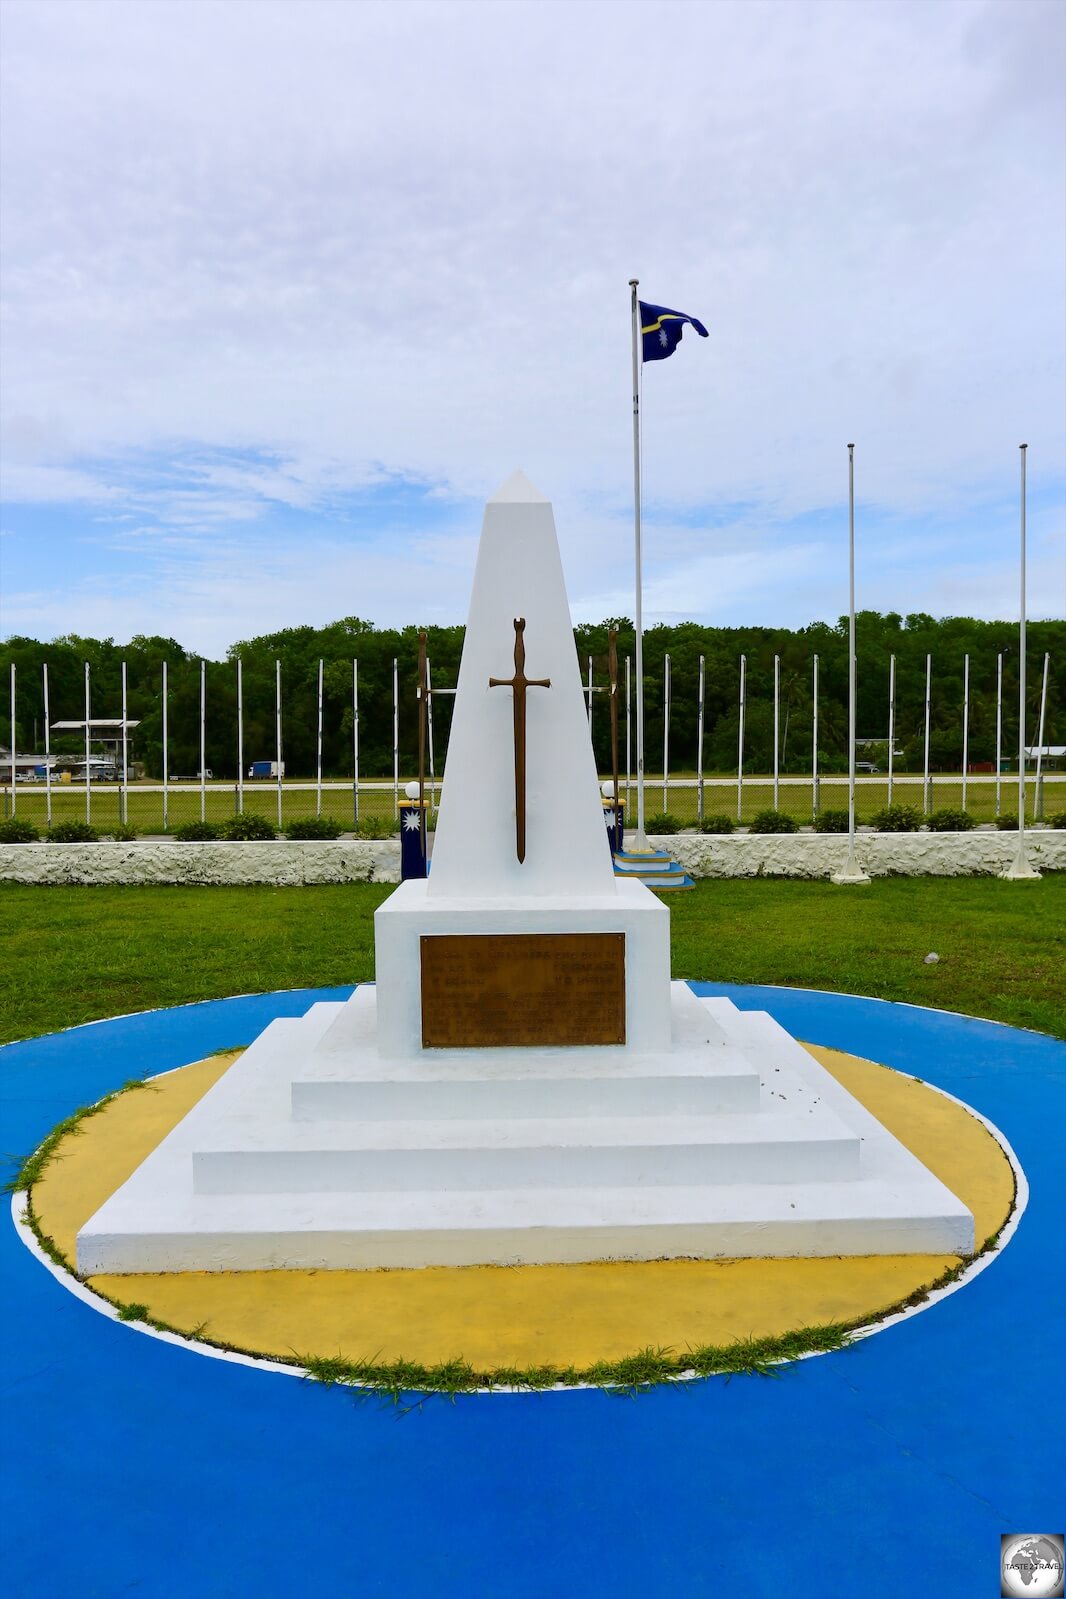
{"x":279,"y":862}
{"x":364,"y":861}
{"x":879,"y":854}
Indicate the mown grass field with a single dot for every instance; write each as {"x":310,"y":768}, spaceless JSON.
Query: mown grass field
{"x":73,"y":954}
{"x":795,"y":795}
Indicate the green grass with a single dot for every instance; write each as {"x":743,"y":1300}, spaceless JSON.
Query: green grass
{"x":145,"y":803}
{"x":73,"y":954}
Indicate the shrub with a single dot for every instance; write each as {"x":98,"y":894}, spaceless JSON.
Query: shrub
{"x":314,"y":827}
{"x":950,"y":821}
{"x":196,"y":832}
{"x":718,"y":824}
{"x":1058,"y":820}
{"x":831,"y":822}
{"x":17,"y":830}
{"x":124,"y":833}
{"x":247,"y":827}
{"x":377,"y":827}
{"x":72,"y":833}
{"x":663,"y":822}
{"x":1007,"y":823}
{"x":773,"y":822}
{"x":898,"y":819}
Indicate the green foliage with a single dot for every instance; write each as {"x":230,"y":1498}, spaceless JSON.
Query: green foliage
{"x":377,"y":827}
{"x":898,"y":819}
{"x":950,"y":821}
{"x":831,"y":822}
{"x":197,"y":832}
{"x":718,"y":824}
{"x":247,"y":827}
{"x":1008,"y":822}
{"x":123,"y":833}
{"x":314,"y":827}
{"x":17,"y":830}
{"x":1058,"y":820}
{"x":908,"y":638}
{"x":662,"y":822}
{"x":72,"y":833}
{"x":773,"y":822}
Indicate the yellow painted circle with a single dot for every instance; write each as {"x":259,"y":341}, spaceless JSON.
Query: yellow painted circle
{"x":521,"y":1316}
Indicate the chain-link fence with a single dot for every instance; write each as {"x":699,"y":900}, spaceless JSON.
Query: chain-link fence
{"x":151,"y":809}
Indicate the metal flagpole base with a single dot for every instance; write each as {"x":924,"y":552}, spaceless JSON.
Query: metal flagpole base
{"x":1019,"y":870}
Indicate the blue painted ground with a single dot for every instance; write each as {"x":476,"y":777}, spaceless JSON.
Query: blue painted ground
{"x":134,"y":1467}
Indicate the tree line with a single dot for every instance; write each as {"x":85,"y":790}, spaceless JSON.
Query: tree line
{"x":878,"y":637}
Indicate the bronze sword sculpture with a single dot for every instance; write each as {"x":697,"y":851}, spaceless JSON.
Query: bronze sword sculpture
{"x":519,"y":683}
{"x":422,"y":690}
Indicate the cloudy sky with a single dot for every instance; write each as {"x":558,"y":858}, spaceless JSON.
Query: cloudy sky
{"x":288,"y":289}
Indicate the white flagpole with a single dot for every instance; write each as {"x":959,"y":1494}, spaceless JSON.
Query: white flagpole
{"x":740,"y":742}
{"x":891,"y":719}
{"x":14,"y":768}
{"x":666,"y":731}
{"x":277,"y":733}
{"x":699,"y":744}
{"x":123,"y":792}
{"x":318,"y":769}
{"x":999,"y":724}
{"x":629,"y":749}
{"x":355,"y":741}
{"x":852,"y":872}
{"x":47,"y":749}
{"x":814,"y":744}
{"x":203,"y":741}
{"x":1021,"y":867}
{"x":965,"y":723}
{"x":429,"y":736}
{"x":1038,"y":792}
{"x":240,"y":735}
{"x":88,"y":746}
{"x":589,"y":696}
{"x":166,"y":756}
{"x":777,"y":723}
{"x":395,"y":736}
{"x":925,"y":769}
{"x":640,"y":843}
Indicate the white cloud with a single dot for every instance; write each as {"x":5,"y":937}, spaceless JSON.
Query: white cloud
{"x":346,"y":243}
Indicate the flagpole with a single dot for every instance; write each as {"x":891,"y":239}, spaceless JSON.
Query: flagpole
{"x":640,"y":842}
{"x":852,"y":872}
{"x":1020,"y":867}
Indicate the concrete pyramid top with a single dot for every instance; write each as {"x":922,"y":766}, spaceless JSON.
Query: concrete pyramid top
{"x":518,"y":490}
{"x":519,"y":574}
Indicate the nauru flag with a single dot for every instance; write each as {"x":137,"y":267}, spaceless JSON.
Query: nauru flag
{"x":661,"y":330}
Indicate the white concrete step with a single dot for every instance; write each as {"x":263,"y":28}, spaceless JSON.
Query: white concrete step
{"x":732,"y":1087}
{"x":514,"y":1227}
{"x":534,"y":1152}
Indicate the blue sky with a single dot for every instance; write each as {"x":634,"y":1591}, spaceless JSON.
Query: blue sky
{"x":288,"y":290}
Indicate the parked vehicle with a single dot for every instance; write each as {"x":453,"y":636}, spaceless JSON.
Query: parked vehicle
{"x":267,"y":769}
{"x":866,"y":766}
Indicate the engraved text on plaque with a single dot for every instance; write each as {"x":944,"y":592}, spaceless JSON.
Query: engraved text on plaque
{"x":512,"y":990}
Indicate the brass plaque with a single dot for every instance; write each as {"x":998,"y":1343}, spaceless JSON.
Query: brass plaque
{"x":511,"y":990}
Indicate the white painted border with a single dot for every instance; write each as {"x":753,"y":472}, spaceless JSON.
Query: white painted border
{"x":195,"y":1346}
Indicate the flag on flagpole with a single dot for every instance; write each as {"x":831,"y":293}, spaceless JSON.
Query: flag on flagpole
{"x":661,"y":330}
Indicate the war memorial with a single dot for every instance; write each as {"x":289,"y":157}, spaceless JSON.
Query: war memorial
{"x":527,"y":1166}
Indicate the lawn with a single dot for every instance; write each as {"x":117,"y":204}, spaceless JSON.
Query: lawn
{"x":73,"y":954}
{"x":144,"y":805}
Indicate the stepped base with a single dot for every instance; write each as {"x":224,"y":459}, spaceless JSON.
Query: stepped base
{"x":735,"y":1141}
